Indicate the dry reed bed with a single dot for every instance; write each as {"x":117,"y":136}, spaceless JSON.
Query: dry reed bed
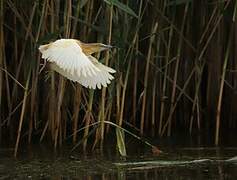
{"x":176,"y":68}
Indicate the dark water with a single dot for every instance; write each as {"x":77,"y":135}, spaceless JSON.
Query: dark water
{"x":178,"y":162}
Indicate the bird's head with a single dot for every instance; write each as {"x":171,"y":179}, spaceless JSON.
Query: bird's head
{"x":90,"y":48}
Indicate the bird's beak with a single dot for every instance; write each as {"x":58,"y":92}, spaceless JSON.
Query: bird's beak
{"x":107,"y":46}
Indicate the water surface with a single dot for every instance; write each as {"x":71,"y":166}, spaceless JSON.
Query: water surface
{"x":177,"y":162}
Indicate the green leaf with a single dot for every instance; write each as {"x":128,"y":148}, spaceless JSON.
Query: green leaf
{"x":121,"y":142}
{"x":121,"y":6}
{"x":83,"y":3}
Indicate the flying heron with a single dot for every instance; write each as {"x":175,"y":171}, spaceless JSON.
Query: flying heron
{"x":73,"y":59}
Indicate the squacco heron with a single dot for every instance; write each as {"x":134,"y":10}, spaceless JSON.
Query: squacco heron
{"x":73,"y":59}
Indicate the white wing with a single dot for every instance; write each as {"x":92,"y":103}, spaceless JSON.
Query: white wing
{"x":68,"y":55}
{"x":72,"y":77}
{"x":101,"y":78}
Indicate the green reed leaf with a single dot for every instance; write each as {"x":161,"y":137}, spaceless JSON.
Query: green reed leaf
{"x":121,"y":142}
{"x":121,"y":6}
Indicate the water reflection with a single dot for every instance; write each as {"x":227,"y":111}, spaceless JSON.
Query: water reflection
{"x":198,"y":163}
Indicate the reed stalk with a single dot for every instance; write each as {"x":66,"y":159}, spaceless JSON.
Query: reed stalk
{"x":164,"y":85}
{"x":57,"y":123}
{"x":103,"y":94}
{"x":118,"y":97}
{"x":23,"y":109}
{"x":52,"y":90}
{"x":122,"y":98}
{"x":1,"y":61}
{"x":187,"y":82}
{"x":135,"y":79}
{"x":218,"y":111}
{"x":78,"y":89}
{"x":177,"y":68}
{"x":155,"y":92}
{"x":35,"y":78}
{"x":152,"y":38}
{"x":88,"y":118}
{"x":28,"y":33}
{"x":76,"y":110}
{"x":203,"y":50}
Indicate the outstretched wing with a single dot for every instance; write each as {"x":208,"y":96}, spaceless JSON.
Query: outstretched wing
{"x":68,"y":55}
{"x":101,"y":78}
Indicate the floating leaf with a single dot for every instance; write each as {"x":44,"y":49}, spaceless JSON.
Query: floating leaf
{"x":121,"y":6}
{"x":121,"y":142}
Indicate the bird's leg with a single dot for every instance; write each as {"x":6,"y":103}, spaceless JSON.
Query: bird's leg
{"x":43,"y":66}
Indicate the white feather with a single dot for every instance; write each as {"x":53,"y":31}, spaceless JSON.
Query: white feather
{"x":68,"y":59}
{"x":68,"y":55}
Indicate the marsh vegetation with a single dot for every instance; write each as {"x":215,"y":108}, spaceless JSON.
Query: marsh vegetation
{"x":175,"y":62}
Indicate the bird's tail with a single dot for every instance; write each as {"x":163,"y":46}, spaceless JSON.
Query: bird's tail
{"x":43,"y":48}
